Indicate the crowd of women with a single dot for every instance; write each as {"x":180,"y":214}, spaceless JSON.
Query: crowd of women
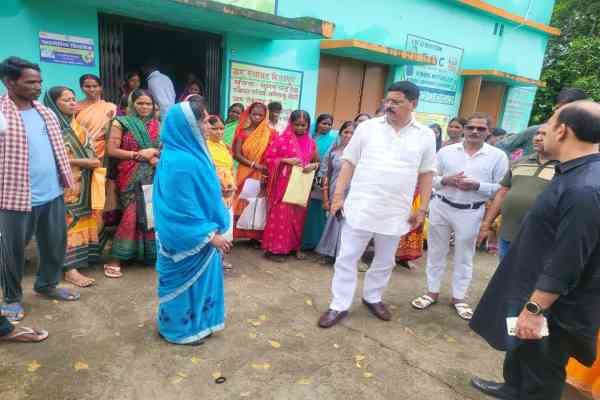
{"x":175,"y":191}
{"x":114,"y":153}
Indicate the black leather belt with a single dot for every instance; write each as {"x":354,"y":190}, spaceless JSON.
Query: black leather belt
{"x":470,"y":206}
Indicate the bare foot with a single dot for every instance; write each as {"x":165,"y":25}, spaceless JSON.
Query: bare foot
{"x":301,"y":256}
{"x":76,"y":278}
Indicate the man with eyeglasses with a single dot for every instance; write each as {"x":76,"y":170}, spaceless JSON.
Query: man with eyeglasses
{"x":468,"y":174}
{"x":382,"y":164}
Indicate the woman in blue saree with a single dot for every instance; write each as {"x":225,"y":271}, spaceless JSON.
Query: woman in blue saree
{"x":190,"y":218}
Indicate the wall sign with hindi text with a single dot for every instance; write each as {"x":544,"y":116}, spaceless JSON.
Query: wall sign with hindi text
{"x":438,"y":83}
{"x":250,"y":83}
{"x":67,"y":49}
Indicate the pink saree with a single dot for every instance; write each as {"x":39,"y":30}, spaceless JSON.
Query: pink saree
{"x":283,"y":231}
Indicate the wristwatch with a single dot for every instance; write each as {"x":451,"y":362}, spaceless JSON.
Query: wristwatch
{"x":534,"y":308}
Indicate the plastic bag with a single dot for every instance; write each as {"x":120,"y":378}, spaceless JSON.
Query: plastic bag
{"x":254,"y":216}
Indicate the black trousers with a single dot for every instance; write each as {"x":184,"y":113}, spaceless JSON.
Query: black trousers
{"x":535,"y":370}
{"x":48,"y":223}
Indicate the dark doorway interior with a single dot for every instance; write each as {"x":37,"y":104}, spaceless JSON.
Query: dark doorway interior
{"x":179,"y":52}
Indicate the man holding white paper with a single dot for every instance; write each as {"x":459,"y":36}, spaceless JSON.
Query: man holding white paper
{"x":385,"y":159}
{"x":551,"y":273}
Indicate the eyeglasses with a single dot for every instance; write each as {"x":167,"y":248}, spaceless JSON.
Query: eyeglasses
{"x":392,"y":102}
{"x":479,"y":129}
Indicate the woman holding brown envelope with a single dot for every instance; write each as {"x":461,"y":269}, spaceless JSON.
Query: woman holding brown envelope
{"x":292,"y":160}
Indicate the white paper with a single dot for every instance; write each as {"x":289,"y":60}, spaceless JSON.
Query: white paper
{"x":148,"y":204}
{"x":511,"y":326}
{"x":251,"y":189}
{"x":229,"y":234}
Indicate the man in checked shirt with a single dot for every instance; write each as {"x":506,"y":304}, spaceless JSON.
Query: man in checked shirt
{"x":34,"y":170}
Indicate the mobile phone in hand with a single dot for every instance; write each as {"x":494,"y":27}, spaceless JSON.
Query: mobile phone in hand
{"x":339,"y":214}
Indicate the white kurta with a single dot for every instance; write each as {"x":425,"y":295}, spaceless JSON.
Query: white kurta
{"x":387,"y":164}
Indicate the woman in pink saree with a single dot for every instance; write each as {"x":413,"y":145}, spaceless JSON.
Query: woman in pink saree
{"x":283,"y":231}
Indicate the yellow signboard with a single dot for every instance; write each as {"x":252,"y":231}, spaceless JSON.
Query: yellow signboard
{"x":266,"y":6}
{"x":432,"y":118}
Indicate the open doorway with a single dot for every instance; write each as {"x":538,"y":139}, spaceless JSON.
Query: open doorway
{"x":127,"y":43}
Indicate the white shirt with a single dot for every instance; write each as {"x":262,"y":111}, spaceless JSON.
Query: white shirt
{"x":387,"y":163}
{"x":488,"y":166}
{"x":163,"y":91}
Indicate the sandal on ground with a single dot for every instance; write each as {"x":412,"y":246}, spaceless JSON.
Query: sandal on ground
{"x":23,"y":334}
{"x":326,"y":260}
{"x":83,"y":283}
{"x":14,"y":312}
{"x":111,"y":271}
{"x":463,"y":310}
{"x":301,"y":256}
{"x":227,"y":266}
{"x":423,"y":302}
{"x":61,"y":294}
{"x":278,"y":258}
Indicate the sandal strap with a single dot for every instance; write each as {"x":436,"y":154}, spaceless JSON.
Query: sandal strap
{"x":462,"y":306}
{"x":423,"y":302}
{"x":427,"y":298}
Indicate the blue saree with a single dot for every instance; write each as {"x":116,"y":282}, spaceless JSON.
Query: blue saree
{"x":188,"y":212}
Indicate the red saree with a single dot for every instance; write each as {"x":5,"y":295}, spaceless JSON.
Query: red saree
{"x":285,"y":222}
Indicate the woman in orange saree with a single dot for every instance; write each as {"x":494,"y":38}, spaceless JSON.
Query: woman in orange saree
{"x":94,"y":114}
{"x":252,"y":137}
{"x":585,"y":379}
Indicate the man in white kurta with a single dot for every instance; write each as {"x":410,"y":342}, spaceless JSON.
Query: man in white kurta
{"x":468,"y":175}
{"x":384,"y":161}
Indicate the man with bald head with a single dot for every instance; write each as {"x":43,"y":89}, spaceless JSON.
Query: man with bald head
{"x":552,"y":270}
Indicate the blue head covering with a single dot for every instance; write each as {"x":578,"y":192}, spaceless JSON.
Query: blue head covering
{"x":187,"y":201}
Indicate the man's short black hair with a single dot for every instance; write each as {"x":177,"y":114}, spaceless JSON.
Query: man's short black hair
{"x":569,"y":95}
{"x":12,"y":68}
{"x":410,"y":90}
{"x":584,"y":123}
{"x":275,"y":106}
{"x":480,"y":115}
{"x":498,"y":132}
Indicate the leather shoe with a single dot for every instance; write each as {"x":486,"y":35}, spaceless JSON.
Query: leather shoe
{"x":379,"y":310}
{"x":331,"y":317}
{"x":494,"y":389}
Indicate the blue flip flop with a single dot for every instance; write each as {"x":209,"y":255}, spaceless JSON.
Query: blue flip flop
{"x":61,"y":294}
{"x":14,"y":312}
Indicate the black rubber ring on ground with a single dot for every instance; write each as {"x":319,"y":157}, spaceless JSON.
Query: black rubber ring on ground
{"x":220,"y":380}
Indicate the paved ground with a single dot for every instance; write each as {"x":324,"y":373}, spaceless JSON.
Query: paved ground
{"x":106,"y":346}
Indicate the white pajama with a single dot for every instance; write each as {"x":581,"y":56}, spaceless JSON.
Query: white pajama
{"x":443,"y":220}
{"x":352,"y":246}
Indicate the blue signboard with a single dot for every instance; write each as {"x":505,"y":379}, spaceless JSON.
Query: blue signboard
{"x":438,"y":83}
{"x":65,"y":49}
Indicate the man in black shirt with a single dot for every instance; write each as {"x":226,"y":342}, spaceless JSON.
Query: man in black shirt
{"x":552,"y":270}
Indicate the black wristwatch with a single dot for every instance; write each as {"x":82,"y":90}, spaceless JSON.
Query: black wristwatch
{"x":534,"y":308}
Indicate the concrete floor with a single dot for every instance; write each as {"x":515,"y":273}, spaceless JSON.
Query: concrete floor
{"x":106,"y":346}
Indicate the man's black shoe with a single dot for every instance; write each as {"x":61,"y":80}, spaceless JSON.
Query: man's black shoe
{"x":494,"y":389}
